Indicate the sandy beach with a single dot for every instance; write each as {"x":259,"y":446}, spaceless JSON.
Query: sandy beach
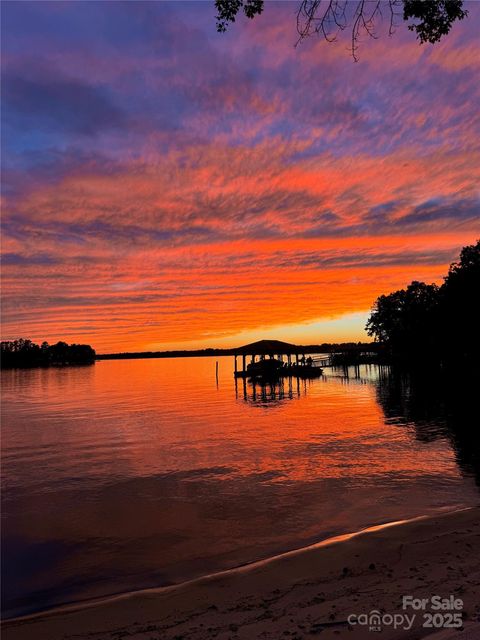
{"x":323,"y":589}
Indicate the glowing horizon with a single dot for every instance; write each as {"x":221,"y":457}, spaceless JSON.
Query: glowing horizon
{"x":169,"y":187}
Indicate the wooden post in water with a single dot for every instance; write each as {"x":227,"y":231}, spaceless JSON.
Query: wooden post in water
{"x":235,"y":363}
{"x":244,"y":361}
{"x":216,"y":372}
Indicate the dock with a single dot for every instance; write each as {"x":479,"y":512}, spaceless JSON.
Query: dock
{"x":287,"y":360}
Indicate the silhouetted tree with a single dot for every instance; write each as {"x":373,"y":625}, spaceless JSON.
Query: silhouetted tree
{"x":24,"y":353}
{"x":459,"y":304}
{"x":405,"y":320}
{"x":430,"y":19}
{"x":427,"y":321}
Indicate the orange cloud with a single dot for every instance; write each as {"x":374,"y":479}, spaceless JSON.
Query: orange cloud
{"x":223,"y":187}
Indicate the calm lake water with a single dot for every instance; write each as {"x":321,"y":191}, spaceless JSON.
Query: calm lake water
{"x":137,"y":473}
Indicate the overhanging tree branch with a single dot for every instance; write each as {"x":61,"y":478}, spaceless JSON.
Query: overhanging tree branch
{"x":430,"y":19}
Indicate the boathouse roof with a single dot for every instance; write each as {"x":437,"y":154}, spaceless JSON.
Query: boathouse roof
{"x":268,"y":347}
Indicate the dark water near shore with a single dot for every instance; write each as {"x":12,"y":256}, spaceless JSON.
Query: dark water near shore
{"x":138,"y":473}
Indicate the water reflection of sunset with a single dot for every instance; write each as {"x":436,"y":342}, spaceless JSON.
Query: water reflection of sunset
{"x":334,"y":419}
{"x":148,"y":471}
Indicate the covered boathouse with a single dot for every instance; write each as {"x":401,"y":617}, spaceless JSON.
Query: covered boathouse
{"x":290,"y":358}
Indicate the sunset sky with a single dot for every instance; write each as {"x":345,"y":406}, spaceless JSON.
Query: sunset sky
{"x":166,"y":186}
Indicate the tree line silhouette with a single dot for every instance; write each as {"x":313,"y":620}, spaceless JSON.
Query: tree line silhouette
{"x":431,"y":324}
{"x":325,"y":347}
{"x":25,"y":353}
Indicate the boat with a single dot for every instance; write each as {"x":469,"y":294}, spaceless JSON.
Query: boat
{"x":271,"y":364}
{"x":265,"y":368}
{"x":271,"y":369}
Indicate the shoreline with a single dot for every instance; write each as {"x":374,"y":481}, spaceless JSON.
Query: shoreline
{"x":259,"y":579}
{"x":88,"y":603}
{"x":124,"y":595}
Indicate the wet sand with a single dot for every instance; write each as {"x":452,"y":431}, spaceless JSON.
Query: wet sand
{"x":300,"y":594}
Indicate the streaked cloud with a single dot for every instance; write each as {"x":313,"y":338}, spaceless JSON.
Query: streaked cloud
{"x":164,"y":184}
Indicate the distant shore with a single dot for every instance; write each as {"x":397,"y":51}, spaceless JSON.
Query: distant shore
{"x":324,"y":588}
{"x":346,"y":347}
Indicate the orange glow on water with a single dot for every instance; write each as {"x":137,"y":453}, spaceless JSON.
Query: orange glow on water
{"x":159,"y":460}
